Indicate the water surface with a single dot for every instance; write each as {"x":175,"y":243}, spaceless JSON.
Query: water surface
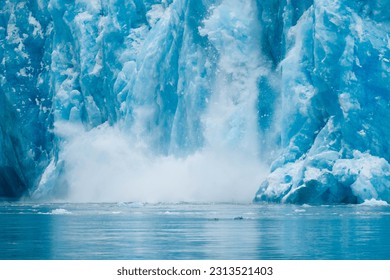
{"x":193,"y":231}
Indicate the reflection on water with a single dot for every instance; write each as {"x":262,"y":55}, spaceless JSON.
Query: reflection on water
{"x":193,"y":231}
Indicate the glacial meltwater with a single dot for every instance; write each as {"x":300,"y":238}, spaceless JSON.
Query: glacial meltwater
{"x":193,"y":231}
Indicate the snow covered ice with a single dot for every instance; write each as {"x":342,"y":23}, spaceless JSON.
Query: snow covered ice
{"x":135,"y":97}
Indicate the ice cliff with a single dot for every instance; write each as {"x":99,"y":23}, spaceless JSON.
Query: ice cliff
{"x":334,"y":104}
{"x":303,"y":86}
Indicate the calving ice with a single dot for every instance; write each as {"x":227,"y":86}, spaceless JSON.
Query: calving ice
{"x":183,"y":100}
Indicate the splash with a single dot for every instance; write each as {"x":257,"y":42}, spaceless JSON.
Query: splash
{"x":108,"y":167}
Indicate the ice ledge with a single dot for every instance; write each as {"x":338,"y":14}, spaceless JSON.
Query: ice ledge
{"x":354,"y":180}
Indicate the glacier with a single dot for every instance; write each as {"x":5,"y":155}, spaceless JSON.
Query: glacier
{"x":94,"y":89}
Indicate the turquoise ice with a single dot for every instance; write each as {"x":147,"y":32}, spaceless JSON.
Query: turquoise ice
{"x":302,"y":87}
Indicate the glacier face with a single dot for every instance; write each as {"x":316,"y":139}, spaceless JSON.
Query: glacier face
{"x":335,"y":100}
{"x":300,"y":85}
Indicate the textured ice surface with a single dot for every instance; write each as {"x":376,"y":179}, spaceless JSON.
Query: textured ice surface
{"x":335,"y":101}
{"x":303,"y":86}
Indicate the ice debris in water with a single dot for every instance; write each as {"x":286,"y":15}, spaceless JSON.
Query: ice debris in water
{"x":60,"y":211}
{"x":374,"y":202}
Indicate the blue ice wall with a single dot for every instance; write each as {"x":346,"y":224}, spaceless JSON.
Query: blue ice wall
{"x":335,"y":95}
{"x":25,"y":97}
{"x":302,"y":85}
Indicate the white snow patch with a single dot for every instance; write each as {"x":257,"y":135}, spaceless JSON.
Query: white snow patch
{"x":37,"y":26}
{"x":348,"y":104}
{"x":154,"y":14}
{"x":83,"y":17}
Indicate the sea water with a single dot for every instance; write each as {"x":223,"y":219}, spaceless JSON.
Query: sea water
{"x":193,"y":231}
